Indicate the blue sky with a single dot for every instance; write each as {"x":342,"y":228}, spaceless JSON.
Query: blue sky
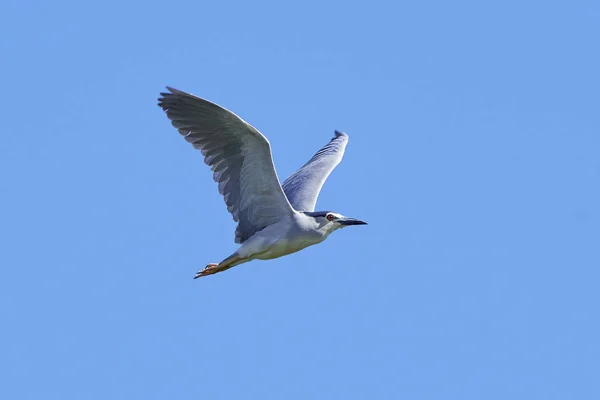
{"x":474,"y":156}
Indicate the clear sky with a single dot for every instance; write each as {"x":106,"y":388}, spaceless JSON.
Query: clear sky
{"x":474,"y":155}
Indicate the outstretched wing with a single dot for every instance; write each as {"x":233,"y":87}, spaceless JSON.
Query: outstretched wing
{"x":303,"y":187}
{"x":239,"y":156}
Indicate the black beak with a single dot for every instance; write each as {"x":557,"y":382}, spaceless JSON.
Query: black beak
{"x":350,"y":221}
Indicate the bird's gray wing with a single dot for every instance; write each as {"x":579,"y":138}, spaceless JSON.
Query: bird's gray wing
{"x":238,"y":154}
{"x":303,"y":187}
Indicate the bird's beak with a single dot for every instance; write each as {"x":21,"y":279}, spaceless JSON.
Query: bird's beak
{"x":350,"y":221}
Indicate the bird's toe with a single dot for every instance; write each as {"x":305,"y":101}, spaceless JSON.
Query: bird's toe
{"x":205,"y":271}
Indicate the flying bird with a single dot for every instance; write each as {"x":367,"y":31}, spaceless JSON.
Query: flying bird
{"x":273,"y":219}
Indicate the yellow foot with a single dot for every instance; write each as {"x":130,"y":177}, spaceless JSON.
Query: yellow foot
{"x":208,"y":270}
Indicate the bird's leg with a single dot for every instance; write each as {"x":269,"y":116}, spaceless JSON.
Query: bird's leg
{"x":227,"y":263}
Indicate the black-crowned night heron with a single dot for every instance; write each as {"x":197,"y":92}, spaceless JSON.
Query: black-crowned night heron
{"x":273,"y":220}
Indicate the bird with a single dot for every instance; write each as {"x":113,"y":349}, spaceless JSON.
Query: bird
{"x":273,"y":220}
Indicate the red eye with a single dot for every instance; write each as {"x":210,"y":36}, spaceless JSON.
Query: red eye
{"x":329,"y":217}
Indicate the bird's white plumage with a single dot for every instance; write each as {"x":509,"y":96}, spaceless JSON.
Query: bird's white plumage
{"x":269,"y":225}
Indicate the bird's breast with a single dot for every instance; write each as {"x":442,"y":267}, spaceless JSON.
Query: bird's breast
{"x":290,"y":244}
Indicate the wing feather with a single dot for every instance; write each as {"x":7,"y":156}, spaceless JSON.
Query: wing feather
{"x":239,"y":156}
{"x":302,"y":188}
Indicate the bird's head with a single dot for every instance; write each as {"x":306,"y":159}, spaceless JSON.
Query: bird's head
{"x":331,"y":221}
